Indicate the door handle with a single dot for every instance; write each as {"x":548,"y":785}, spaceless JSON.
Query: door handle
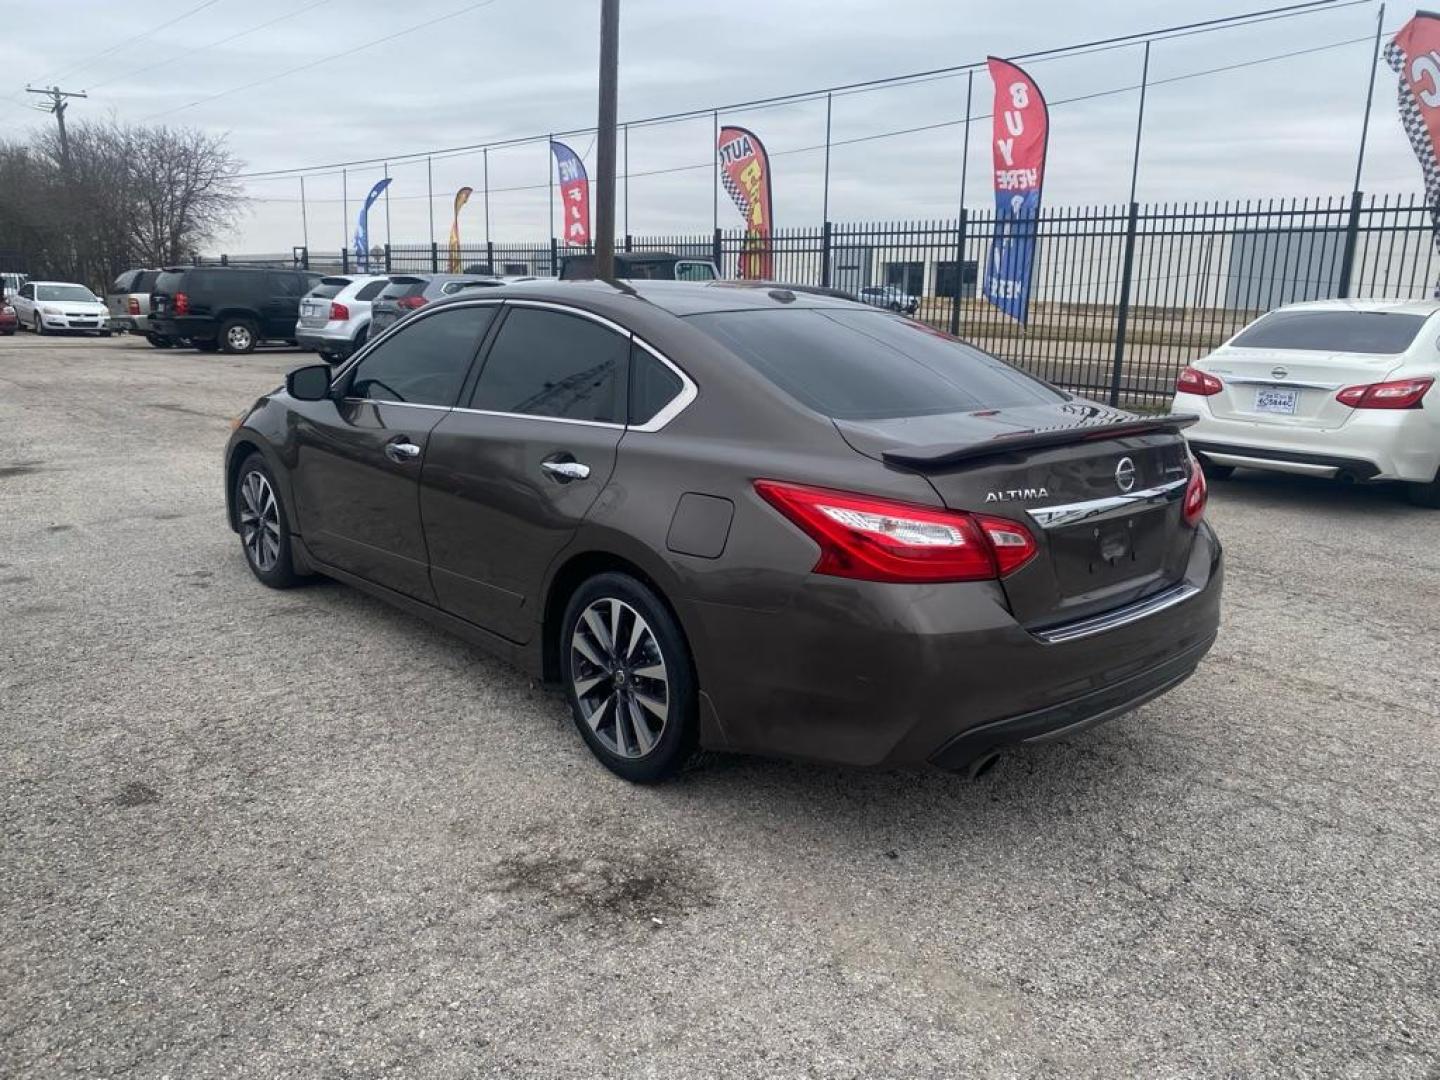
{"x":402,"y":451}
{"x":565,"y":471}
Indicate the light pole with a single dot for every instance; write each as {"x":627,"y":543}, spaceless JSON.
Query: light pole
{"x":605,"y":140}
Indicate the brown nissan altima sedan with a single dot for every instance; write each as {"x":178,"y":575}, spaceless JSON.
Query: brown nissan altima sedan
{"x":743,"y":518}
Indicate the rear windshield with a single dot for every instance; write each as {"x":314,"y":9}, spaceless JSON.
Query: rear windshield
{"x":169,"y":282}
{"x":145,"y":282}
{"x":1333,"y":331}
{"x":63,"y":292}
{"x":401,"y":287}
{"x":328,"y":287}
{"x":870,"y":365}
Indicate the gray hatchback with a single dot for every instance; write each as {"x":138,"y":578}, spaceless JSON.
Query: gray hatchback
{"x":744,"y":518}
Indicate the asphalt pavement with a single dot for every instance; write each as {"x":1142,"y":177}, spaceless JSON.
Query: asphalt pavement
{"x":247,"y":833}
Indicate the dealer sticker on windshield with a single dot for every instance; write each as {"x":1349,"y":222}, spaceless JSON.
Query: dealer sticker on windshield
{"x":1277,"y":401}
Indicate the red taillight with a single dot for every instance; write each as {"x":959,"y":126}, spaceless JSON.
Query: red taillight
{"x":874,"y":539}
{"x":181,"y":304}
{"x":1194,"y":381}
{"x":410,"y":303}
{"x":1197,"y":493}
{"x":133,"y":306}
{"x":1400,"y":394}
{"x":340,"y":312}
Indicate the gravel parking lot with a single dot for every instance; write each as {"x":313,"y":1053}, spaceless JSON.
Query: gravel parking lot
{"x":251,"y":833}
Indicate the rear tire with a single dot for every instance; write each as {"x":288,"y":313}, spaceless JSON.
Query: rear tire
{"x":238,"y":336}
{"x":264,"y":525}
{"x":1426,"y":495}
{"x":158,"y":342}
{"x":629,"y":679}
{"x":207,"y":346}
{"x":104,"y":333}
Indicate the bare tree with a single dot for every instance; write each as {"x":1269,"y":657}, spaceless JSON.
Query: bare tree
{"x":126,"y":196}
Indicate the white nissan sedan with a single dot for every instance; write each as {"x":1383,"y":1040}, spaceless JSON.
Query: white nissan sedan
{"x":1333,"y":388}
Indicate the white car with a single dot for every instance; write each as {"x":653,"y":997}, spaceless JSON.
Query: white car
{"x":335,"y":314}
{"x":1333,"y":388}
{"x":48,"y":306}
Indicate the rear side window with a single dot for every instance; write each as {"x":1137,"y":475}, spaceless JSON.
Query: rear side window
{"x":283,"y":284}
{"x":371,"y":289}
{"x":545,"y":363}
{"x":870,"y":365}
{"x":694,"y":271}
{"x":402,"y":287}
{"x":423,"y":362}
{"x":1379,"y":332}
{"x":652,"y":386}
{"x":328,"y":288}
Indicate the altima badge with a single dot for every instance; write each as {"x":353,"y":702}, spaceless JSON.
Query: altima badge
{"x":1017,"y":493}
{"x":1125,"y":475}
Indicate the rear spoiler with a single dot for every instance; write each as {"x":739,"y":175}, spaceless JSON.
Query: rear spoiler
{"x":947,"y":454}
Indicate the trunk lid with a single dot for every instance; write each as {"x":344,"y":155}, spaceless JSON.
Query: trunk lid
{"x":1128,"y":539}
{"x":1291,"y":387}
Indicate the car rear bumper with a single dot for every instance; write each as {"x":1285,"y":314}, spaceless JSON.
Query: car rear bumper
{"x":885,"y":675}
{"x":321,"y":341}
{"x":1372,"y":444}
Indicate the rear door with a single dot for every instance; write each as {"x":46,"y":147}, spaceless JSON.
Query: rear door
{"x":280,"y":306}
{"x":358,"y":460}
{"x":1285,"y":369}
{"x":511,"y":474}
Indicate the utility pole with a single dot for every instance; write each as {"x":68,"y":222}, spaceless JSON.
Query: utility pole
{"x":57,"y":106}
{"x":605,"y":140}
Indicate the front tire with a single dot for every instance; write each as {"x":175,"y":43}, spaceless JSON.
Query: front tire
{"x":264,"y":525}
{"x":40,"y":330}
{"x":629,"y":678}
{"x":238,"y":336}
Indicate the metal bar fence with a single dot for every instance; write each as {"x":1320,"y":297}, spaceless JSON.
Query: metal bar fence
{"x":1122,"y":297}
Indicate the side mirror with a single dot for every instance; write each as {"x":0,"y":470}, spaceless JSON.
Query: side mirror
{"x":309,"y":383}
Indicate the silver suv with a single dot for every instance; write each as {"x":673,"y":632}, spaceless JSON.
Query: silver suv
{"x":406,"y":292}
{"x":335,"y":314}
{"x":128,"y":301}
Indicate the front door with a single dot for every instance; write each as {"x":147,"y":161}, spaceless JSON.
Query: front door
{"x":509,"y":477}
{"x":358,"y":459}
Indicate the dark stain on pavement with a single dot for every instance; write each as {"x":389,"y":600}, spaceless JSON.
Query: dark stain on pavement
{"x":136,"y":794}
{"x":613,"y":886}
{"x":15,"y":579}
{"x":20,"y":468}
{"x":58,"y":528}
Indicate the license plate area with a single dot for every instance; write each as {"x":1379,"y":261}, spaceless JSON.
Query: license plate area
{"x":1273,"y":400}
{"x":1095,"y":555}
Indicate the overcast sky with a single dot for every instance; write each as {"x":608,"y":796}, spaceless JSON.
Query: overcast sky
{"x":509,"y":68}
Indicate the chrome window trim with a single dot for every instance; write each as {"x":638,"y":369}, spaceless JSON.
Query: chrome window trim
{"x":402,"y":404}
{"x":1284,"y":384}
{"x":1061,"y":514}
{"x":1110,"y":620}
{"x":678,"y":404}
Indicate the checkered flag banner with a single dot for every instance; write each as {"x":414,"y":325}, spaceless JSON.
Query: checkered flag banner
{"x":745,"y":172}
{"x":1414,"y":55}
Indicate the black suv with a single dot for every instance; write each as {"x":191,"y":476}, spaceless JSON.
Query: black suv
{"x":228,"y":307}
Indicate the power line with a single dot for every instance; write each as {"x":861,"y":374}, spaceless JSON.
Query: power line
{"x":1310,"y":7}
{"x":149,"y":31}
{"x":325,"y":60}
{"x":897,"y":132}
{"x":192,"y":53}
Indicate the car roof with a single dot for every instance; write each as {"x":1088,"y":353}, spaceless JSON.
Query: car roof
{"x":32,"y":281}
{"x":674,"y":297}
{"x":1385,"y":305}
